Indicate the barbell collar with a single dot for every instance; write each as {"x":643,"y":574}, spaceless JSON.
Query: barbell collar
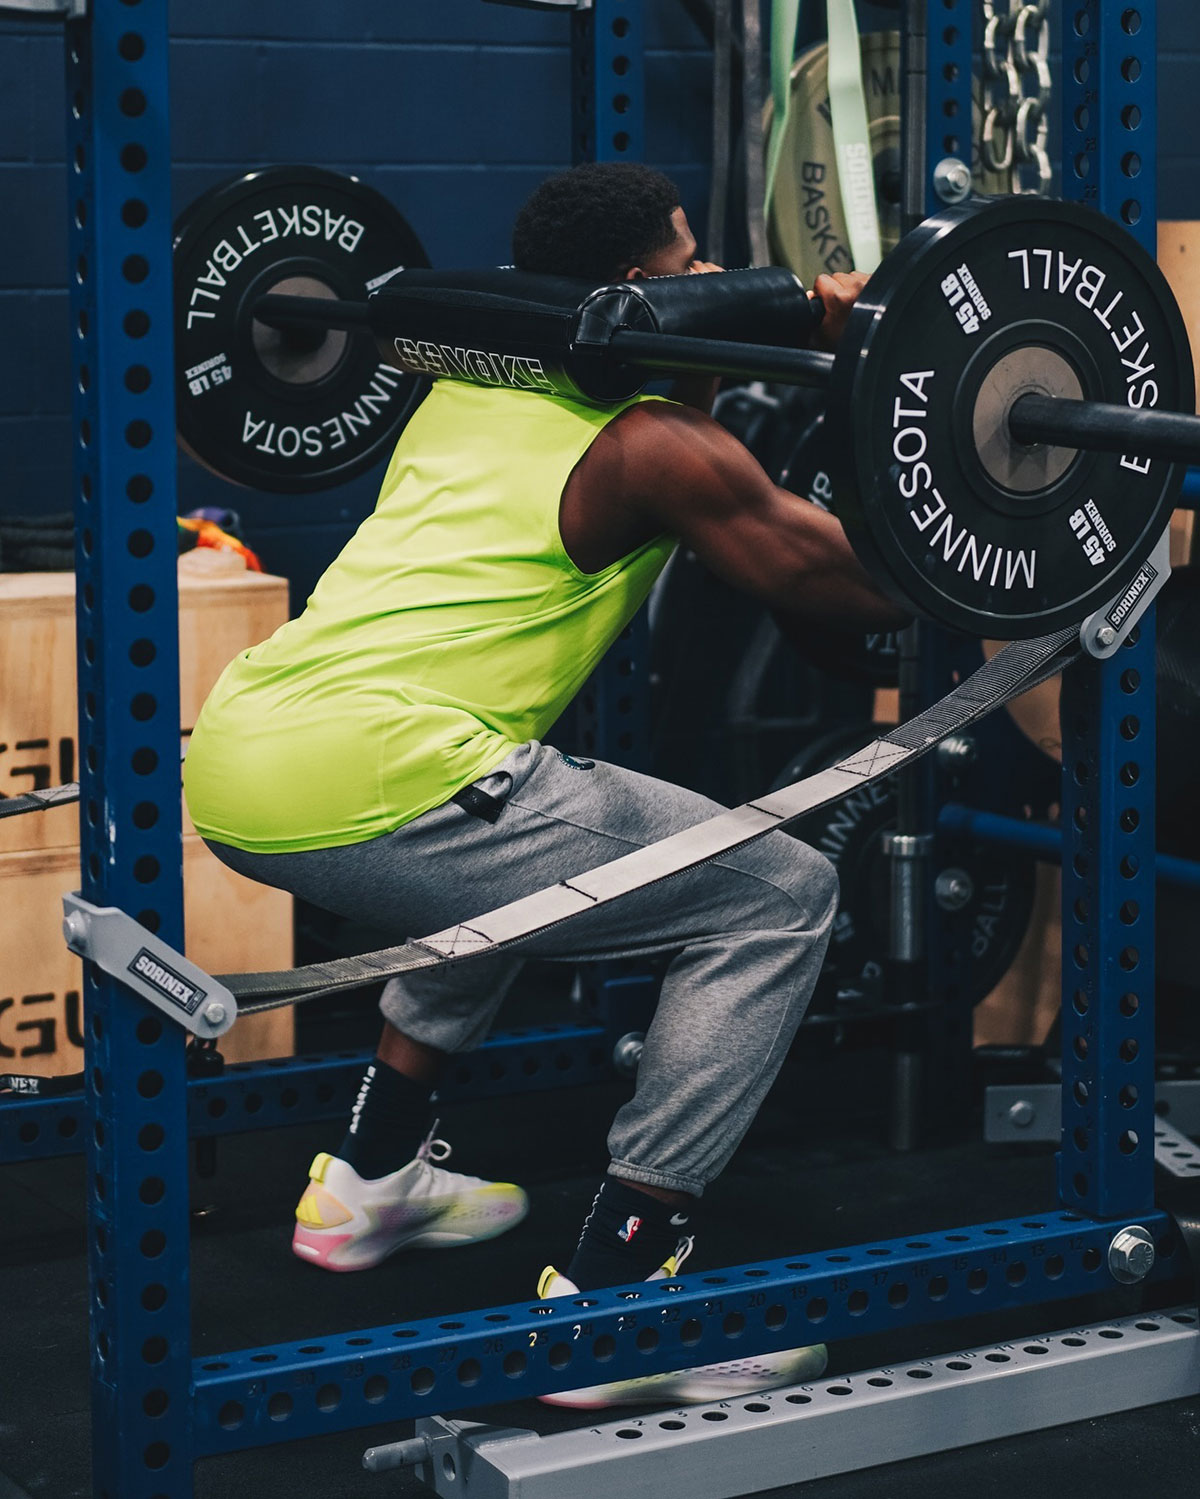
{"x":1104,"y":427}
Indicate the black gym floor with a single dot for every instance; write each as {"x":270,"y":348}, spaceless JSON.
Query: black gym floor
{"x":814,"y":1173}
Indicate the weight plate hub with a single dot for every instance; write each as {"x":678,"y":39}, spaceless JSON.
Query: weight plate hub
{"x":975,"y":308}
{"x":291,"y":411}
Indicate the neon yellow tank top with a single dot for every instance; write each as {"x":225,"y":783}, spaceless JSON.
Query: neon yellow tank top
{"x":452,"y":627}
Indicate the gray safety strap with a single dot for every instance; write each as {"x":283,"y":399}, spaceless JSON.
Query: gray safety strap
{"x":39,"y":801}
{"x":1015,"y":670}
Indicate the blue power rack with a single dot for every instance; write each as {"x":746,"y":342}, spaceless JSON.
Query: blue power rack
{"x":155,"y":1409}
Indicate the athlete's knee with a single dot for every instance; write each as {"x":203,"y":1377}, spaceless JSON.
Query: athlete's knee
{"x":806,"y":876}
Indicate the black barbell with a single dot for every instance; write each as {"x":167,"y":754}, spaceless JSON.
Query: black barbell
{"x":1006,"y":403}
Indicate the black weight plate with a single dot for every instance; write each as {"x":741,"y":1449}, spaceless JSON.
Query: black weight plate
{"x":868,"y":656}
{"x":981,"y":938}
{"x":974,"y":307}
{"x":291,"y":414}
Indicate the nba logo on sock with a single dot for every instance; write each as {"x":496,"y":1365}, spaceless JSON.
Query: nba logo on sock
{"x":632,"y":1225}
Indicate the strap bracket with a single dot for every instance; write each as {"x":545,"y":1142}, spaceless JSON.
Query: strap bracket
{"x":124,"y":949}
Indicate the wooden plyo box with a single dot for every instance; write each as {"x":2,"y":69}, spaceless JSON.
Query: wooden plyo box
{"x":231,"y":923}
{"x":221,"y":612}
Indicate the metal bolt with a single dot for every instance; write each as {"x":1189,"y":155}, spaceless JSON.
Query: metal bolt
{"x":1021,"y":1114}
{"x":952,"y":180}
{"x":75,"y":930}
{"x":953,"y":888}
{"x":214,"y":1012}
{"x":1131,"y":1255}
{"x":627,"y":1053}
{"x":957,"y":752}
{"x":1106,"y":635}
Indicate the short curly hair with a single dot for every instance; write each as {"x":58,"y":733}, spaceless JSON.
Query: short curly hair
{"x":595,"y":221}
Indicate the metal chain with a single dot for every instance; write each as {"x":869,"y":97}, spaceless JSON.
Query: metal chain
{"x":1017,"y":92}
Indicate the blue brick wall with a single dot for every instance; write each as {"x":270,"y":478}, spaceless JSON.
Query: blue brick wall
{"x":453,"y":108}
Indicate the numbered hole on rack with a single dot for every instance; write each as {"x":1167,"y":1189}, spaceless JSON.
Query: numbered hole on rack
{"x":1131,"y":22}
{"x":137,"y":379}
{"x":977,"y":1280}
{"x":138,"y":434}
{"x":1129,"y":959}
{"x":135,"y":269}
{"x":149,"y":1030}
{"x":132,"y":46}
{"x":1130,"y":773}
{"x":154,"y":1350}
{"x":136,"y":323}
{"x":1128,"y":1096}
{"x":1129,"y":1005}
{"x":1130,"y":726}
{"x":1131,"y":69}
{"x":1131,"y":212}
{"x":150,"y":1137}
{"x":1054,"y":1266}
{"x":133,"y":157}
{"x":1129,"y":912}
{"x":134,"y":213}
{"x":1131,"y":680}
{"x":1131,"y":164}
{"x":1127,"y":1141}
{"x":1131,"y":117}
{"x":143,"y":652}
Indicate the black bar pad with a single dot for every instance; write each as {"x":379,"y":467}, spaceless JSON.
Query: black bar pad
{"x":550,"y":334}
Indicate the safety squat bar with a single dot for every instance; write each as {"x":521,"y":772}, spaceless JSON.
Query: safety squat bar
{"x":155,"y":1409}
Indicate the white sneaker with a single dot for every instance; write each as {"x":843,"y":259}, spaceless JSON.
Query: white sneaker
{"x":726,"y":1381}
{"x":344,"y":1222}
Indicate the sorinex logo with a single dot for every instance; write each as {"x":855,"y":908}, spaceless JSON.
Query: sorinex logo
{"x":166,"y":981}
{"x":1117,"y":615}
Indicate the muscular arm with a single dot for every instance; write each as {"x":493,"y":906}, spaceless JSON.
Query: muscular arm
{"x":658,"y":468}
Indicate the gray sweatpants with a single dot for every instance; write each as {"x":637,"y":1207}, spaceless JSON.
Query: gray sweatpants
{"x":746,"y":937}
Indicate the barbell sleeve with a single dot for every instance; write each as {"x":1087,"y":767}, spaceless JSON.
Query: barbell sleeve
{"x":1101,"y":427}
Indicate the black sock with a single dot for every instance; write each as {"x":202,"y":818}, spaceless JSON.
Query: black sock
{"x":626,"y":1237}
{"x":390,"y":1119}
